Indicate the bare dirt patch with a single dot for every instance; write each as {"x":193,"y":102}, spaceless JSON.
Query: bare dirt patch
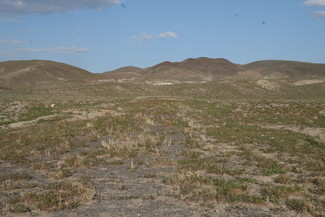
{"x":308,"y":82}
{"x":268,"y":84}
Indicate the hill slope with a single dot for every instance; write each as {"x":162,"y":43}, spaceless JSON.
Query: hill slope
{"x":130,"y":69}
{"x":194,"y":69}
{"x":221,"y":69}
{"x":280,"y":69}
{"x":29,"y":72}
{"x":127,"y":72}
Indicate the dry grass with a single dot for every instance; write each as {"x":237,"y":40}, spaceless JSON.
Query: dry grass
{"x":125,"y":145}
{"x":218,"y":149}
{"x":52,"y":196}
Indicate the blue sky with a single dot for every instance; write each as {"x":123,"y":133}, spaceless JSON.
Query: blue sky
{"x":102,"y":35}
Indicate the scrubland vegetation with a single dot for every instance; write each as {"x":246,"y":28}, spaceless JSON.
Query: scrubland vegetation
{"x":215,"y":147}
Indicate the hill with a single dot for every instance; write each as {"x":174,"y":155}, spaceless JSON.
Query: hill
{"x":31,"y":72}
{"x":221,"y":69}
{"x":126,"y":69}
{"x":280,"y":69}
{"x":127,"y":72}
{"x":15,"y":74}
{"x":193,"y":69}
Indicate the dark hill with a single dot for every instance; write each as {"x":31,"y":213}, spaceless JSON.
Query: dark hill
{"x":194,"y":69}
{"x":215,"y":67}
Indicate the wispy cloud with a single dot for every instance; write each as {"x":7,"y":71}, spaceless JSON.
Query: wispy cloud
{"x":146,"y":36}
{"x":320,"y":14}
{"x":315,"y":3}
{"x":21,"y":7}
{"x":12,"y":42}
{"x":70,"y":50}
{"x":58,"y":50}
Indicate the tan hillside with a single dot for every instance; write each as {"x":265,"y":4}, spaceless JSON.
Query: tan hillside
{"x":129,"y":69}
{"x":30,"y":72}
{"x":127,"y":72}
{"x":280,"y":69}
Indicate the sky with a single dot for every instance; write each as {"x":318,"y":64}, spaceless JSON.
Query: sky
{"x":103,"y":35}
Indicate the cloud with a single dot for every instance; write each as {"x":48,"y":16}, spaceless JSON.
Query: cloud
{"x":70,"y":50}
{"x":146,"y":36}
{"x":58,"y":50}
{"x":12,"y":42}
{"x":167,"y":35}
{"x":21,"y":7}
{"x":320,"y":14}
{"x":315,"y":3}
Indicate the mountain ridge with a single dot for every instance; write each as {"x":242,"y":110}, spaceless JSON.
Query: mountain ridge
{"x":34,"y":72}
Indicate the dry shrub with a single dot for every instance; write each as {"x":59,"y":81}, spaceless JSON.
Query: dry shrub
{"x":126,"y":145}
